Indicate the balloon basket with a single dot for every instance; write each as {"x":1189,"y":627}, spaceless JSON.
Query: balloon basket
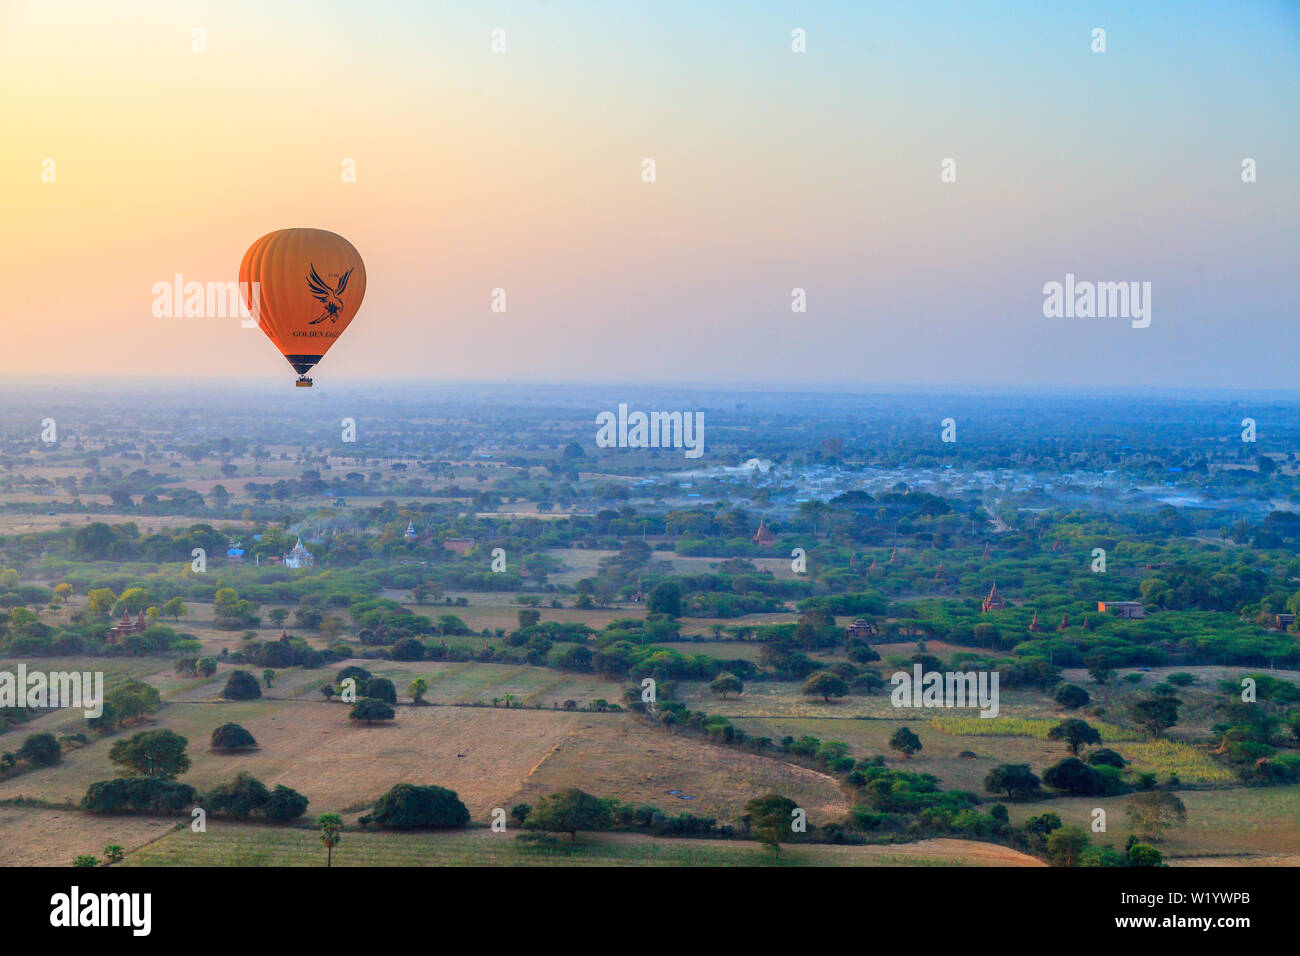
{"x":303,"y":382}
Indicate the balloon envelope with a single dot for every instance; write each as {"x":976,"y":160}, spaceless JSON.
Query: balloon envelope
{"x":309,"y":285}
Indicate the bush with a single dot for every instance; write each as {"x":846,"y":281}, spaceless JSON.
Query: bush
{"x":232,"y":737}
{"x":239,"y":798}
{"x":241,"y":685}
{"x":284,"y":804}
{"x":411,"y":807}
{"x":408,"y":649}
{"x":41,"y":750}
{"x":380,"y":688}
{"x":1105,"y":757}
{"x":1071,"y":696}
{"x":1074,"y":776}
{"x":370,"y":710}
{"x":140,"y":794}
{"x":358,"y":674}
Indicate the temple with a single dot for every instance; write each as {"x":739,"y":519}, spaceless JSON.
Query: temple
{"x":764,"y":536}
{"x":127,"y":626}
{"x":994,"y":601}
{"x":299,"y":557}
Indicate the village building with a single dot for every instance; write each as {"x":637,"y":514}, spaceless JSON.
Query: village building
{"x":994,"y":601}
{"x":1284,"y":621}
{"x":1130,"y":609}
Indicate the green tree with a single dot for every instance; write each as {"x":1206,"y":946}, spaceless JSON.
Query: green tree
{"x":666,"y":599}
{"x":825,"y":684}
{"x":114,"y":853}
{"x":380,"y":688}
{"x":770,"y":818}
{"x":1071,"y":696}
{"x":1142,"y":854}
{"x":1155,"y":715}
{"x":371,"y":710}
{"x":569,"y":811}
{"x":238,"y":799}
{"x":175,"y":609}
{"x":241,"y":685}
{"x":284,"y":804}
{"x":152,"y":753}
{"x":410,"y":807}
{"x":1074,"y":776}
{"x":1075,"y":732}
{"x":1016,"y":780}
{"x":41,"y":750}
{"x":905,"y":742}
{"x":231,"y":737}
{"x":726,"y":683}
{"x":1066,"y":845}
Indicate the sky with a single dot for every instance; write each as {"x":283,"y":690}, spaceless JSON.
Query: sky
{"x":776,"y":170}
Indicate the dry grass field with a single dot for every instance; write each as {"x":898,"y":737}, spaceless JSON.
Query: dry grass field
{"x":637,"y":763}
{"x":481,"y":753}
{"x":40,"y":837}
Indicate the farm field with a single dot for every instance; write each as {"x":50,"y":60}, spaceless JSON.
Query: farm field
{"x":636,"y":763}
{"x":1226,"y":827}
{"x":236,"y":844}
{"x":31,"y":836}
{"x":482,"y":753}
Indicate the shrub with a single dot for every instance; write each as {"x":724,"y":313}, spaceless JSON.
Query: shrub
{"x":241,"y":685}
{"x":411,"y":807}
{"x":380,"y":688}
{"x":370,"y":710}
{"x":232,"y":737}
{"x":1074,"y":776}
{"x":41,"y":750}
{"x":1107,"y":758}
{"x":238,"y":799}
{"x":284,"y":804}
{"x":140,"y":794}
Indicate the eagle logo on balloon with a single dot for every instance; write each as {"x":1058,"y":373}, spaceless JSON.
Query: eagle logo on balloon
{"x":330,"y":298}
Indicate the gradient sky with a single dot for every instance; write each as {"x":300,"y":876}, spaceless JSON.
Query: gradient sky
{"x":521,"y":170}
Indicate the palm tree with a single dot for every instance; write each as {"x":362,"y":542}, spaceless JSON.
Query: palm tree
{"x":331,"y":831}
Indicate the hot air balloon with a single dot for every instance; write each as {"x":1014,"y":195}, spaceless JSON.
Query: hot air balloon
{"x":309,"y":285}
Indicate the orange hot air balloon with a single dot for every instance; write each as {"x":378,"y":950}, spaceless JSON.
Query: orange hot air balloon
{"x":310,"y":283}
